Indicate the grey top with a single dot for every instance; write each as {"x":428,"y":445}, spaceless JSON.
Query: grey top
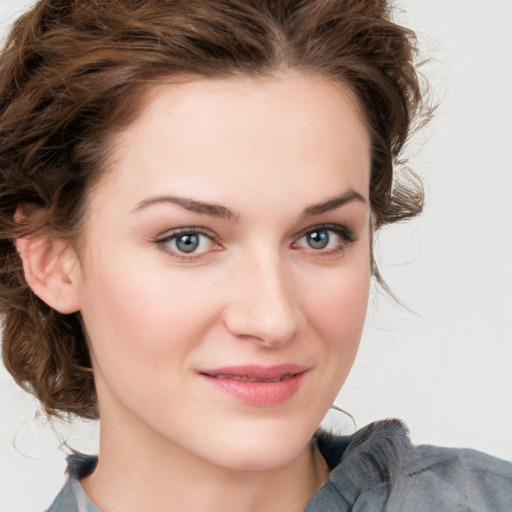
{"x":375,"y":470}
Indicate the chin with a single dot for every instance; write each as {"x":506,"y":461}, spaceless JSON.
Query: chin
{"x":263,"y":459}
{"x":261,"y":448}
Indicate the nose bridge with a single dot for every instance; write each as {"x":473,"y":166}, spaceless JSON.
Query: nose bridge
{"x":263,"y":304}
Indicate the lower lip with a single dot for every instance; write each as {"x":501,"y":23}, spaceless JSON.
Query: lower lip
{"x":259,"y":393}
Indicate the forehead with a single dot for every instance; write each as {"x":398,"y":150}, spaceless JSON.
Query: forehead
{"x":261,"y":135}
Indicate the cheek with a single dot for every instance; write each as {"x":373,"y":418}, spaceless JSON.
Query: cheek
{"x":132,"y":312}
{"x":336,"y":310}
{"x":142,"y":329}
{"x":337,"y":304}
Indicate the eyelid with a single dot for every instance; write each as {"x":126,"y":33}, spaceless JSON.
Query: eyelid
{"x":346,"y":234}
{"x":173,"y":233}
{"x":161,"y":240}
{"x":347,"y":237}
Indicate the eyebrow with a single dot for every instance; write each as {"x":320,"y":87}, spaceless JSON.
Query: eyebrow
{"x":216,"y":210}
{"x":333,"y":203}
{"x":192,"y":205}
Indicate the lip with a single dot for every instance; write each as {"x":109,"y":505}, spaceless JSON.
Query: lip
{"x":257,"y":385}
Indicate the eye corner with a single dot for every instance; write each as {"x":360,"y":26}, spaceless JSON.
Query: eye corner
{"x":201,"y":243}
{"x":336,"y":235}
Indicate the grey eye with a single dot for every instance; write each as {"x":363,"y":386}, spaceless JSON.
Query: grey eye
{"x":188,"y":242}
{"x":318,"y":239}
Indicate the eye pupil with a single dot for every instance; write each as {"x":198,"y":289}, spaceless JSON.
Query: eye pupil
{"x":187,"y":243}
{"x":318,"y":239}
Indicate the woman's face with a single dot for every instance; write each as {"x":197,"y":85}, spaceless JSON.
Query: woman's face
{"x":226,"y":266}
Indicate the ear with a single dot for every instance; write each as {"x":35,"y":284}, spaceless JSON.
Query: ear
{"x":52,"y":270}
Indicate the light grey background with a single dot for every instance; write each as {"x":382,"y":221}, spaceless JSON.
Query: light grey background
{"x":445,"y":366}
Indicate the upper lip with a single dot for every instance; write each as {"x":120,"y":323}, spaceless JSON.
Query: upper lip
{"x":256,"y":371}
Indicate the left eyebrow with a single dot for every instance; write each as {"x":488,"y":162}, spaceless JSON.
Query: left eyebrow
{"x":190,"y":204}
{"x":331,"y":204}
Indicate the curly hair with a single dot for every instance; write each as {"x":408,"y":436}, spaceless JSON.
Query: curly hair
{"x":72,"y":76}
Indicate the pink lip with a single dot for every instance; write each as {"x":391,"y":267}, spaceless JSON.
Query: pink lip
{"x":257,"y":385}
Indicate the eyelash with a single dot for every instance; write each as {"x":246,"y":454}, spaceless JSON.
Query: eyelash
{"x":346,"y":236}
{"x":163,"y":242}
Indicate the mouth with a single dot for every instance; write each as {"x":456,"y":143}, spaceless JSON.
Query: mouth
{"x":246,"y":378}
{"x":257,"y":385}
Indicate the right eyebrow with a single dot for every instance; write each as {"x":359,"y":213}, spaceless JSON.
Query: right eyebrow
{"x":333,"y":203}
{"x":192,"y":205}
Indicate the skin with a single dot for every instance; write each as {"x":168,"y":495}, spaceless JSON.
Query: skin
{"x":253,"y":292}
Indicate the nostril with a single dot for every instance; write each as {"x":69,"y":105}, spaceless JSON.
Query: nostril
{"x":269,"y":331}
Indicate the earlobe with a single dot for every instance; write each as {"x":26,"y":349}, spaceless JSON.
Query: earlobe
{"x":51,"y":270}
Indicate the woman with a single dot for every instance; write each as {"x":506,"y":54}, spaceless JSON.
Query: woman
{"x":189,"y":196}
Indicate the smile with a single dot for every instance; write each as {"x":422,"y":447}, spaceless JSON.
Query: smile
{"x":257,"y":385}
{"x":246,"y":378}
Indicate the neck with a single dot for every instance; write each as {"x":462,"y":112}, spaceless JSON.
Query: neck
{"x":148,"y":475}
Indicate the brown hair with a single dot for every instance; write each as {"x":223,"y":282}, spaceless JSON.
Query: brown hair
{"x":72,"y":75}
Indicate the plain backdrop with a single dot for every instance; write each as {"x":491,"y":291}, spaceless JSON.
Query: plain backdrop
{"x":443,"y":361}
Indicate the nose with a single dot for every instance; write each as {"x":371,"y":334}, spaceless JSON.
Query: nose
{"x":263,"y":304}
